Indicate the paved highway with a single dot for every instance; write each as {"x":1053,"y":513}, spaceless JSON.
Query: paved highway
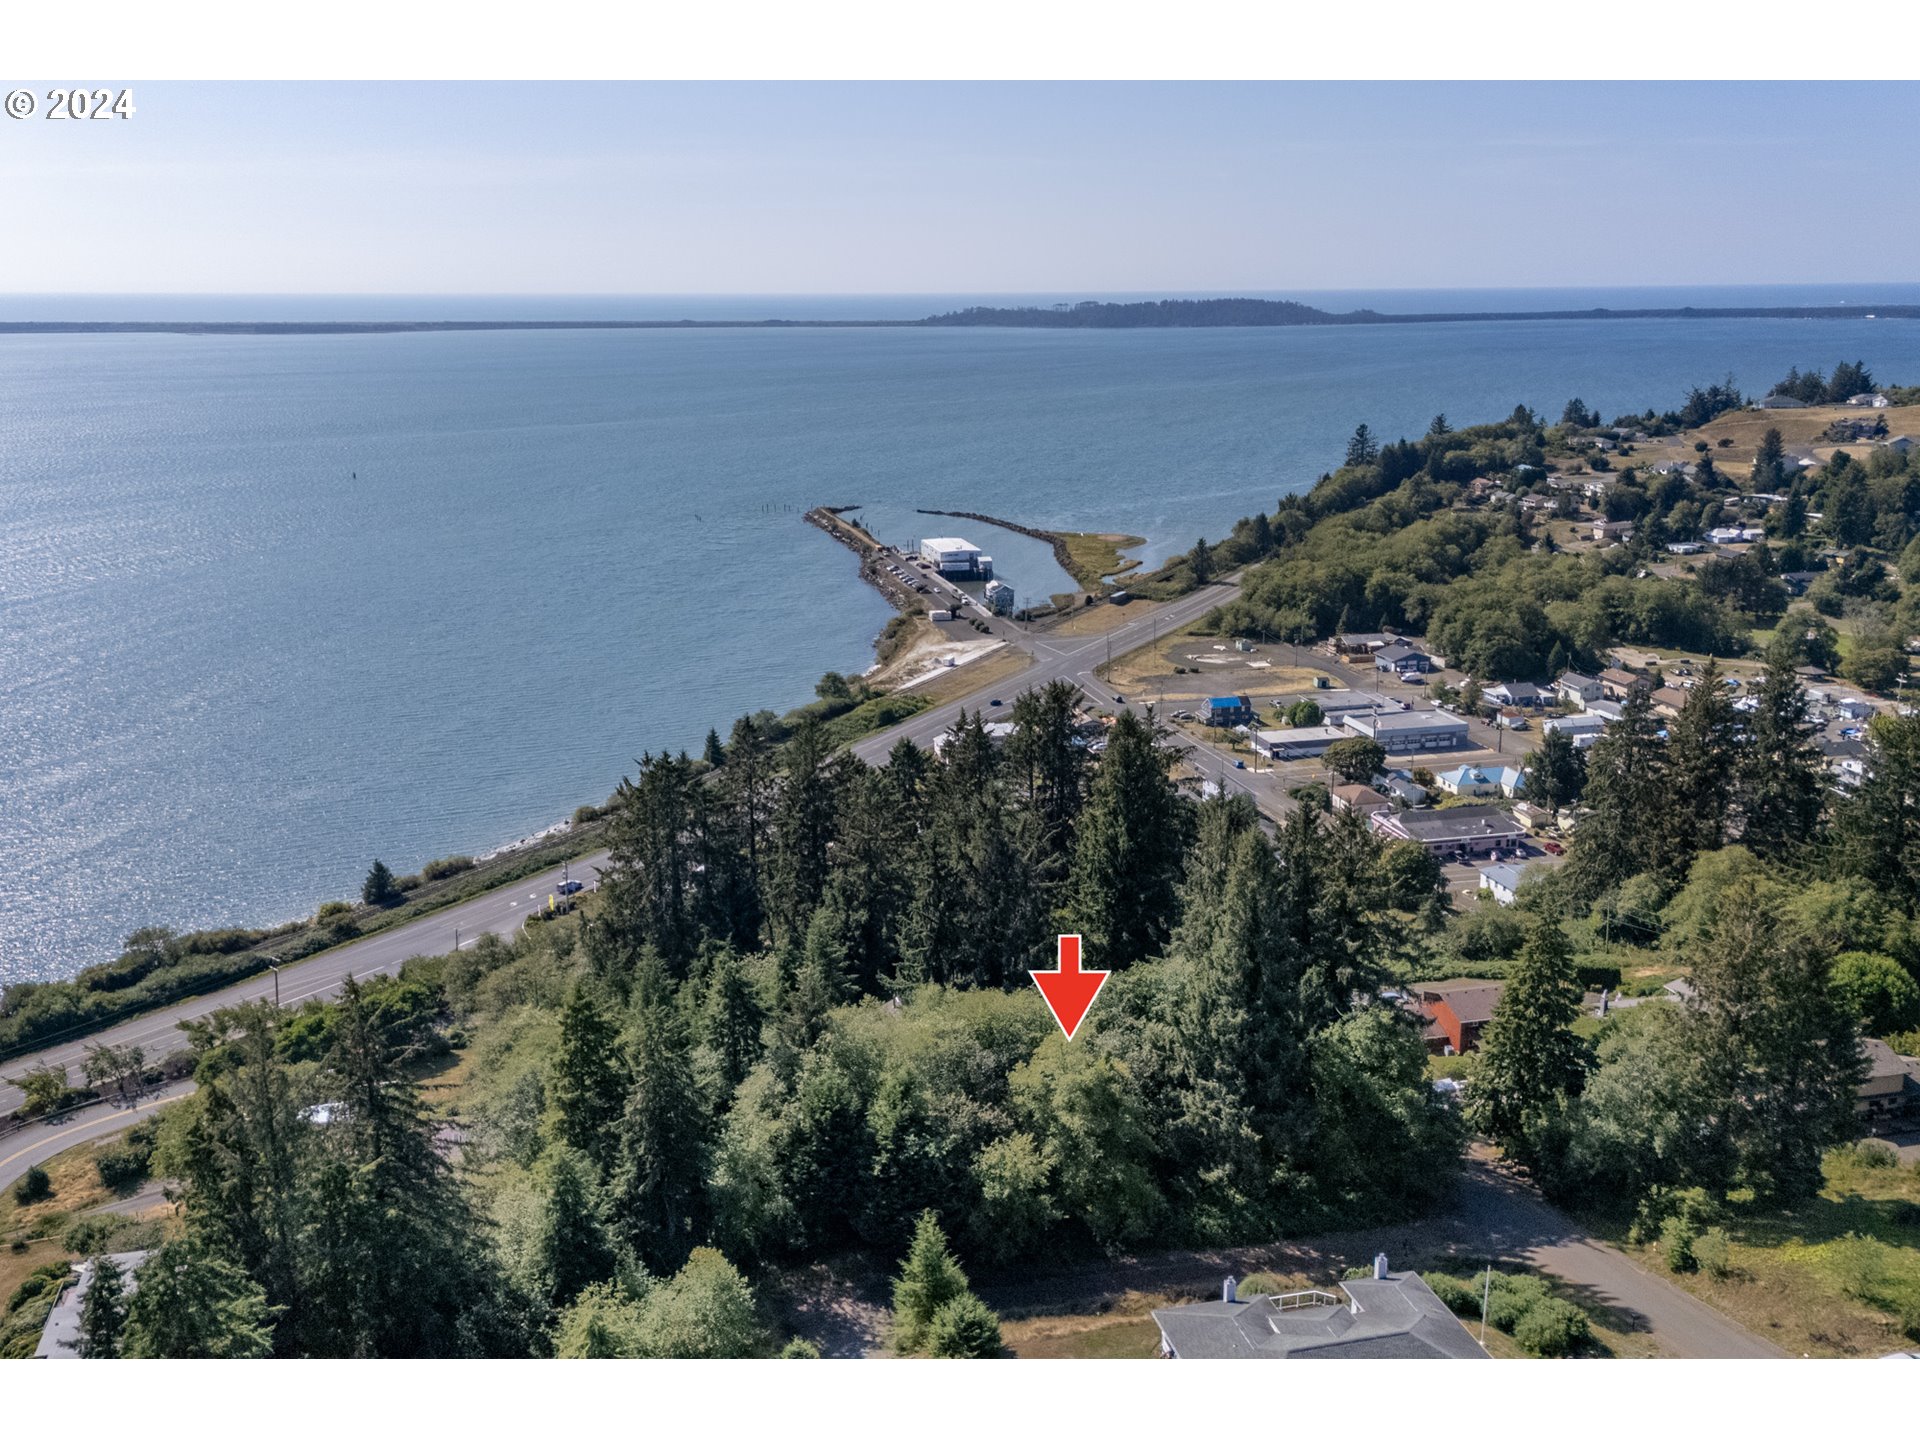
{"x":499,"y":912}
{"x":1055,"y":658}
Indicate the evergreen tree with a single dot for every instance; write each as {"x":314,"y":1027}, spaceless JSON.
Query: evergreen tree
{"x":1362,"y":449}
{"x":1127,"y":851}
{"x":1332,"y":897}
{"x":1531,"y":1062}
{"x":573,"y":1248}
{"x":1241,"y":1051}
{"x":390,"y":1253}
{"x":191,"y":1304}
{"x":1627,"y":792}
{"x":731,"y":1021}
{"x":1438,"y":427}
{"x":1556,"y":773}
{"x":244,"y":1155}
{"x":587,"y":1085}
{"x":930,"y":1278}
{"x":380,"y":888}
{"x":103,"y":1313}
{"x":714,"y":753}
{"x":1201,"y":559}
{"x":1702,"y":751}
{"x":804,"y":823}
{"x":1878,"y":827}
{"x":658,"y":1195}
{"x":1261,"y":533}
{"x":1778,"y":778}
{"x":1769,"y":462}
{"x":1048,"y":763}
{"x":1779,"y":1050}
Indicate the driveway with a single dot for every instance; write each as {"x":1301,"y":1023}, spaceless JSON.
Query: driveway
{"x":1494,"y":1215}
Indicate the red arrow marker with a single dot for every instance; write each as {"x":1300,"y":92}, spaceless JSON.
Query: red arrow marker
{"x":1069,"y":991}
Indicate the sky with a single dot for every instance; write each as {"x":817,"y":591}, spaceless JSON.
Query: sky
{"x":833,"y":188}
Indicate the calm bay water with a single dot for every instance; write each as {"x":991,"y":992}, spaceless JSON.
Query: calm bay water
{"x":272,"y":606}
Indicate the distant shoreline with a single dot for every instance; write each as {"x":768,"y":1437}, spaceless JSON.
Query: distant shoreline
{"x":1087,"y":315}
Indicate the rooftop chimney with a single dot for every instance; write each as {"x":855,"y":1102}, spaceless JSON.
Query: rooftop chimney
{"x":1229,"y":1291}
{"x":1380,"y":1266}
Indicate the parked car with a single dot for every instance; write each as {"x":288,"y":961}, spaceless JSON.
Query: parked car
{"x":993,"y":702}
{"x":569,"y":887}
{"x":1554,"y":847}
{"x":1239,"y":764}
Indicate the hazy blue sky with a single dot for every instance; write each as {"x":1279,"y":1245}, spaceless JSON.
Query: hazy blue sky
{"x":664,"y":188}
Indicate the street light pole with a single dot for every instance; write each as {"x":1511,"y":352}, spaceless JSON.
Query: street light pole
{"x":274,"y":965}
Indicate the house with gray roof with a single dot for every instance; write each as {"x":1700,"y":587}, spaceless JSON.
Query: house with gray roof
{"x":1391,"y":1315}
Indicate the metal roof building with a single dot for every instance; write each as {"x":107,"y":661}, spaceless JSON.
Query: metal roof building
{"x":1390,"y":1316}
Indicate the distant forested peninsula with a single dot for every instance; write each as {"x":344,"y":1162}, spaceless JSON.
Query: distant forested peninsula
{"x":1082,"y":315}
{"x":1197,"y":314}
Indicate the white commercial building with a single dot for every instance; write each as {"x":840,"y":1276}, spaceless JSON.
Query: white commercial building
{"x":956,"y":559}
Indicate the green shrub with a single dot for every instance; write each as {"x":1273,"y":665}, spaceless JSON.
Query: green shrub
{"x":32,"y":1187}
{"x":331,"y":911}
{"x":121,"y":1167}
{"x":46,"y":1280}
{"x":1859,"y":1264}
{"x":798,"y":1349}
{"x":1510,"y":1298}
{"x":1876,"y":1155}
{"x":964,"y":1329}
{"x":1553,"y":1328}
{"x":1713,"y":1252}
{"x":1456,"y":1294}
{"x":455,"y":864}
{"x":1677,"y":1237}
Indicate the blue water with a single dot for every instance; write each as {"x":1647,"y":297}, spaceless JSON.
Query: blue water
{"x":232,"y":673}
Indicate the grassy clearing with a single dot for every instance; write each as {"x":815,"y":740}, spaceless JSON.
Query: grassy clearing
{"x":965,"y":680}
{"x":1090,"y":556}
{"x":1840,"y":1276}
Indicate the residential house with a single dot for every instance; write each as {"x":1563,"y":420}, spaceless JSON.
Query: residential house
{"x":60,"y":1336}
{"x":1668,"y":701}
{"x":1535,"y":819}
{"x":1618,"y":684}
{"x":1517,"y":692}
{"x":1503,"y":881}
{"x":1797,"y":581}
{"x":1456,"y":1011}
{"x":1578,"y":689}
{"x":1608,"y":710}
{"x":1577,"y":725}
{"x":1612,"y":530}
{"x":1226,"y":710}
{"x":1868,"y":401}
{"x":1889,"y":1098}
{"x":1735,"y":534}
{"x":1779,"y":402}
{"x":1360,"y":644}
{"x":1901,"y":443}
{"x":1393,"y":1315}
{"x":1402,"y":659}
{"x":1401,"y":787}
{"x":1685,"y":547}
{"x":1358,"y":799}
{"x":1462,"y":830}
{"x":1469,"y":781}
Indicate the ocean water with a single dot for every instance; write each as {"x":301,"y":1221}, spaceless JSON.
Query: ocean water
{"x":273,"y":606}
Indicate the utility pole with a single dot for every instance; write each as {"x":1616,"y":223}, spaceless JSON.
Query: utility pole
{"x":1486,"y":1293}
{"x":274,"y":965}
